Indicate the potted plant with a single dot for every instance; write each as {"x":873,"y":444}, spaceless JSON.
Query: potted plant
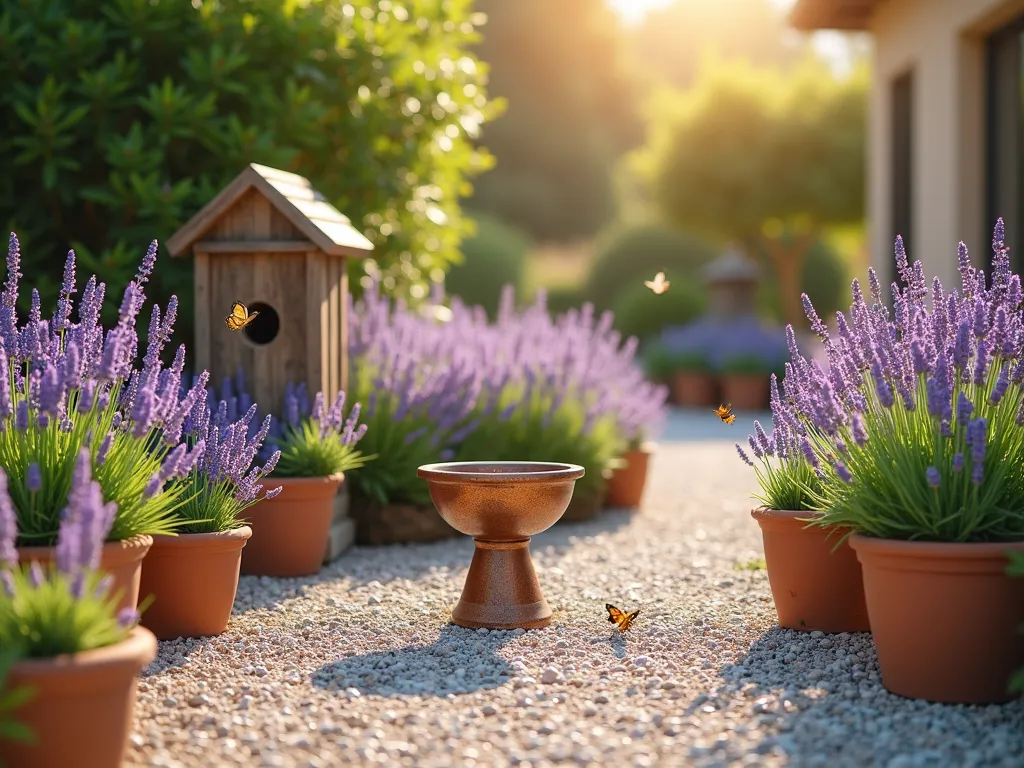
{"x":693,"y":382}
{"x":637,"y":416}
{"x":67,"y":386}
{"x":815,"y":585}
{"x":917,"y":429}
{"x":744,"y":381}
{"x":78,"y":654}
{"x":193,"y":576}
{"x":12,"y":699}
{"x":316,"y":446}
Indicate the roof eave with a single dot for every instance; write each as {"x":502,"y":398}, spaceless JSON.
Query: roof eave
{"x":840,"y":15}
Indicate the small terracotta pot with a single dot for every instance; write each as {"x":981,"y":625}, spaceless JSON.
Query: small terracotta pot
{"x":945,"y":618}
{"x":81,"y":711}
{"x":378,"y":525}
{"x":122,"y":560}
{"x":746,"y":392}
{"x":290,"y":531}
{"x":626,"y":486}
{"x":693,"y":389}
{"x":813,"y":587}
{"x":193,"y":578}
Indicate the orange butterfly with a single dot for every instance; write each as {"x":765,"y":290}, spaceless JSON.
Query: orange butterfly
{"x":724,"y":412}
{"x":659,"y":284}
{"x":239,"y":317}
{"x":620,"y":618}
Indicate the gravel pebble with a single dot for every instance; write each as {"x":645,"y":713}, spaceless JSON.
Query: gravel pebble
{"x":358,"y":665}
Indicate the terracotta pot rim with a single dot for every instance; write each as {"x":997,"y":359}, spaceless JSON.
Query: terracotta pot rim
{"x":932,"y":550}
{"x":458,"y":472}
{"x":315,"y":480}
{"x":232,"y":539}
{"x":746,"y":376}
{"x":140,"y":645}
{"x":128,"y":549}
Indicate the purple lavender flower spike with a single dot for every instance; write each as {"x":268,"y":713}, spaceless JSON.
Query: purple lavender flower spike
{"x":743,"y":455}
{"x":8,"y":527}
{"x":127,"y":617}
{"x":843,"y":472}
{"x":976,"y":438}
{"x":958,"y":461}
{"x":33,"y":478}
{"x":933,"y":477}
{"x":87,"y":522}
{"x":977,"y":473}
{"x":964,"y":409}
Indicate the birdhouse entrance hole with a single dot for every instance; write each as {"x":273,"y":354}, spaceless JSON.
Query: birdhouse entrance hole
{"x":264,"y":327}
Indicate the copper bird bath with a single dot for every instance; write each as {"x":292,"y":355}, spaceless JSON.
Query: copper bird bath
{"x":501,"y":504}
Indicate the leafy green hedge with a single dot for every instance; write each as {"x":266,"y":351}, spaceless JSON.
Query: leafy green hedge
{"x":492,"y":258}
{"x":640,"y":313}
{"x":120,"y":118}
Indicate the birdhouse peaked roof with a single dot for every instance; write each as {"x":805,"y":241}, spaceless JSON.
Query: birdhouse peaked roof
{"x":294,"y":198}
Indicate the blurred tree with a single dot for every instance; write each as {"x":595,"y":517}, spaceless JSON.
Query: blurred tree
{"x":571,"y":112}
{"x":761,"y":157}
{"x":667,"y":45}
{"x":121,"y":118}
{"x":492,"y":258}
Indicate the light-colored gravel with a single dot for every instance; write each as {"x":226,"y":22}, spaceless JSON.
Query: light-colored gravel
{"x":358,"y":666}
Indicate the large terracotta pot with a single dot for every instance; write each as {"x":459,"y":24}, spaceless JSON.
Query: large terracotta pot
{"x":813,"y":587}
{"x":944,"y":618}
{"x":82,"y":707}
{"x":122,"y":560}
{"x":193,"y":578}
{"x":626,"y":485}
{"x":693,"y":389}
{"x":746,"y":391}
{"x":378,"y":524}
{"x":290,"y":531}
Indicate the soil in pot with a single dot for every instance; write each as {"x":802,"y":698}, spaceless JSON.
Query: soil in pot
{"x":746,"y":392}
{"x":693,"y":389}
{"x":290,"y":531}
{"x":382,"y":524}
{"x":122,"y":560}
{"x":944,"y":617}
{"x":813,"y":587}
{"x":193,"y":578}
{"x":626,"y":485}
{"x":81,"y":713}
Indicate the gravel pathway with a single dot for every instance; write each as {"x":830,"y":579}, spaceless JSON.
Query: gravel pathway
{"x":358,"y":665}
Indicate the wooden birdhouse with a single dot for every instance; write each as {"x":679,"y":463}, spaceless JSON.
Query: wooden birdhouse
{"x":272,"y":242}
{"x":732,"y":280}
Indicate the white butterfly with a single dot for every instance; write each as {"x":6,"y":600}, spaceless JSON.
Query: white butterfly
{"x":659,"y":284}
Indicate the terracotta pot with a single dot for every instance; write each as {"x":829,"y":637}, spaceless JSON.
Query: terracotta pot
{"x":693,"y":389}
{"x":813,"y":587}
{"x":944,"y":617}
{"x":81,"y":713}
{"x":746,"y":391}
{"x":122,"y":560}
{"x":193,"y":578}
{"x":290,"y":531}
{"x":378,"y":524}
{"x":583,"y":507}
{"x":626,"y":486}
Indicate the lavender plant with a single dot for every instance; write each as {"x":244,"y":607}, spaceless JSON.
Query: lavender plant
{"x":65,"y":607}
{"x":66,"y":386}
{"x":917,"y":428}
{"x":226,"y":480}
{"x":787,"y":480}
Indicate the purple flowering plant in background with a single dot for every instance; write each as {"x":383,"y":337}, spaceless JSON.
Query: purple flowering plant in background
{"x":66,"y":606}
{"x":67,"y":385}
{"x":916,"y":429}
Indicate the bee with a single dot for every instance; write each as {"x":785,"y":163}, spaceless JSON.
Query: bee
{"x":724,"y":412}
{"x":621,"y":619}
{"x":239,"y":317}
{"x":659,"y":284}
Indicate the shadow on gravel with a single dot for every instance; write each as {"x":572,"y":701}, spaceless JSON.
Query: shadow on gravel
{"x":174,"y":655}
{"x":461,"y":661}
{"x":255,"y":592}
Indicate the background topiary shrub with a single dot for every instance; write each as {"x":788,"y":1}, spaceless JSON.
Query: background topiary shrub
{"x":493,"y":257}
{"x":119,"y":119}
{"x":633,"y":254}
{"x":824,"y":277}
{"x":640,"y":313}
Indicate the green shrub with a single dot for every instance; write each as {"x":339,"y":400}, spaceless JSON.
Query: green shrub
{"x":1016,"y":568}
{"x":745,"y":365}
{"x":121,"y":118}
{"x":563,"y":298}
{"x":660,"y":362}
{"x":824,"y":277}
{"x":633,"y":254}
{"x":640,"y":313}
{"x":493,"y":257}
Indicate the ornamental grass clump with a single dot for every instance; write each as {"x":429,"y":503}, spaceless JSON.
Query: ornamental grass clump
{"x":68,"y":386}
{"x":786,"y":478}
{"x":66,"y":607}
{"x":917,"y":429}
{"x":226,"y":480}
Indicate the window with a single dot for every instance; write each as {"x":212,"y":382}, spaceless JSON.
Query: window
{"x":1005,"y":140}
{"x":902,"y":164}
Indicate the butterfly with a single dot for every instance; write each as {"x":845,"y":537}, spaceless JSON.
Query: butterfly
{"x":620,"y":618}
{"x":724,"y":412}
{"x":239,"y":317}
{"x":659,"y":284}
